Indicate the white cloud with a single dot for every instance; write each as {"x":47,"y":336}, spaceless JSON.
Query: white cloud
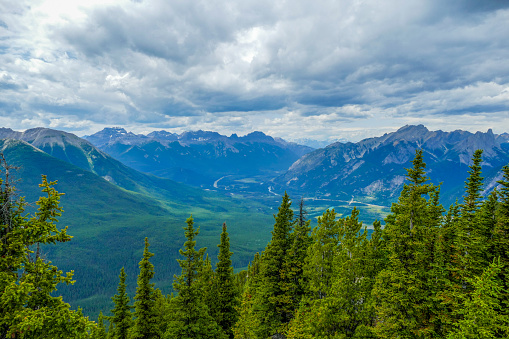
{"x":294,"y":70}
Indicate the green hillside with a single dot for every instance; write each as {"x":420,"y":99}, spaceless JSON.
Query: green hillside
{"x":109,"y":224}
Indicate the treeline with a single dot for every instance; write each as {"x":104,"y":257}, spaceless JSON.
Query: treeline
{"x":428,"y":273}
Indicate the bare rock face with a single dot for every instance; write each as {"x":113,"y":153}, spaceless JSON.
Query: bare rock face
{"x":375,"y":167}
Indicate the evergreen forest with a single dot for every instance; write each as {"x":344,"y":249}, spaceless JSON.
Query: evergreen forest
{"x":429,"y":271}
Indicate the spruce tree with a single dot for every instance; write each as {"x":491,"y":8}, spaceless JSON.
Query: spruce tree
{"x":318,"y":267}
{"x":406,"y":287}
{"x":190,"y":316}
{"x":227,"y":298}
{"x":122,"y":317}
{"x":348,"y":309}
{"x":271,"y":298}
{"x":99,"y":332}
{"x":482,"y":311}
{"x":145,"y":315}
{"x":501,"y":234}
{"x":248,"y":323}
{"x":469,"y":239}
{"x":27,"y":281}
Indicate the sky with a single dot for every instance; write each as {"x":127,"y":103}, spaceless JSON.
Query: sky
{"x":321,"y":70}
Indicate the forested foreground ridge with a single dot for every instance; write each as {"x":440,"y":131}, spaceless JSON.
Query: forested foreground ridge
{"x":430,"y":272}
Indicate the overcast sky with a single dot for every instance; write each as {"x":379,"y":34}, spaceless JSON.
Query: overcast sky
{"x":293,"y":69}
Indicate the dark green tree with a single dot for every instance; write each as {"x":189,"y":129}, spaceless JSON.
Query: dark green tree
{"x":190,"y":316}
{"x":226,"y":292}
{"x":271,"y":303}
{"x":348,"y":310}
{"x":145,"y":315}
{"x":122,"y":317}
{"x":500,"y":242}
{"x":482,"y":315}
{"x":406,"y":288}
{"x":27,"y":281}
{"x":100,"y":331}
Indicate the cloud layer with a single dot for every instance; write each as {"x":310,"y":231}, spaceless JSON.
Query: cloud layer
{"x":300,"y":69}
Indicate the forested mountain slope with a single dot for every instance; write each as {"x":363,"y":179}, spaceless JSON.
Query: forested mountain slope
{"x":373,"y":169}
{"x":109,"y":222}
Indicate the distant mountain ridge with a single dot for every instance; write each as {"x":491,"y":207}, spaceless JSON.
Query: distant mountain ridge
{"x":198,"y":157}
{"x":374,"y":168}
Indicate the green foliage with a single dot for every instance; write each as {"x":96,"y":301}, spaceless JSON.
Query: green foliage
{"x":226,"y":293}
{"x":122,"y":317}
{"x":27,"y":308}
{"x":190,"y":316}
{"x":271,"y":298}
{"x":145,"y":316}
{"x":406,"y":288}
{"x":482,"y":315}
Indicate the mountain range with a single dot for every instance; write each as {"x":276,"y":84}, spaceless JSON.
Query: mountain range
{"x":374,"y":169}
{"x":199,"y":158}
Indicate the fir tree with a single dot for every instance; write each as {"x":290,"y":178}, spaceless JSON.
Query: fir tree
{"x":27,"y":281}
{"x":500,"y":246}
{"x":190,"y":316}
{"x":227,"y":299}
{"x":318,"y":266}
{"x":271,"y":299}
{"x":99,"y":332}
{"x":247,"y":322}
{"x":406,"y":287}
{"x":121,"y":318}
{"x":482,"y":315}
{"x":294,"y":282}
{"x":348,"y":309}
{"x":145,"y":316}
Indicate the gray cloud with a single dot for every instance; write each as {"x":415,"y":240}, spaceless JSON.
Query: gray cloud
{"x":341,"y":68}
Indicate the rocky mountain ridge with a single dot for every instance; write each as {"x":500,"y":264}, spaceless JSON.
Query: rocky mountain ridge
{"x":199,"y":157}
{"x":374,"y":167}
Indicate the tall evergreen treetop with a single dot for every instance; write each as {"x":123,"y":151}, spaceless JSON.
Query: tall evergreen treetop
{"x":145,"y":322}
{"x":190,"y":318}
{"x":271,"y":296}
{"x":121,"y":318}
{"x":227,"y":296}
{"x":473,"y":184}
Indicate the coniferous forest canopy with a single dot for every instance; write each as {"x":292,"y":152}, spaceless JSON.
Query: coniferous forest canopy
{"x":431,"y":271}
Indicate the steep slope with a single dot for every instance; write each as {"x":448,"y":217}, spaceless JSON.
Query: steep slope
{"x":374,"y":168}
{"x":109,"y":223}
{"x":79,"y":152}
{"x":201,"y":157}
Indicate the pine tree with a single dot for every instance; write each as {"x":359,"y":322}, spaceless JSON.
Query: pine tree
{"x":294,"y":282}
{"x":318,"y":267}
{"x":482,"y":315}
{"x":469,"y":242}
{"x":501,"y":234}
{"x":406,"y":288}
{"x":271,"y":299}
{"x":227,"y":298}
{"x":190,"y":316}
{"x":122,"y":317}
{"x":247,"y":322}
{"x":99,"y":332}
{"x":27,"y":281}
{"x":348,"y":309}
{"x":145,"y":316}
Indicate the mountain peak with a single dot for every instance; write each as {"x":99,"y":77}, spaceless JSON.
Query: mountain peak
{"x":258,"y":136}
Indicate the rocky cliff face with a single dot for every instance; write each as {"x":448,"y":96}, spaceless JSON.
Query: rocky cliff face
{"x":375,"y":167}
